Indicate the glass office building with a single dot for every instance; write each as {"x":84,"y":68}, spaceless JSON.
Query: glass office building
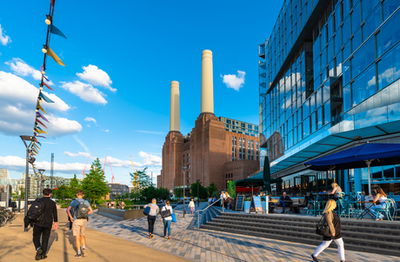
{"x":329,"y":80}
{"x":240,"y":127}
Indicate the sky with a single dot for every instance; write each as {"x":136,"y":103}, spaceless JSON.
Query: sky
{"x":112,"y":97}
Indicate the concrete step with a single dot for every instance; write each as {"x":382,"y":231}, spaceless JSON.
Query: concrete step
{"x":311,"y":241}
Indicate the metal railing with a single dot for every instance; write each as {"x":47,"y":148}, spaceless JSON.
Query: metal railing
{"x":198,"y":211}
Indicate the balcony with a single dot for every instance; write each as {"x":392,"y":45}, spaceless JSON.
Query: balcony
{"x":261,"y":50}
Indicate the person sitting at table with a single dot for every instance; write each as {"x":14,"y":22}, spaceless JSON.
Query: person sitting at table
{"x":336,"y":190}
{"x":282,"y":200}
{"x":382,"y":198}
{"x":320,"y":198}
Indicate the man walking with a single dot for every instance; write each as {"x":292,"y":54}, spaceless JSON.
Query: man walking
{"x":82,"y":210}
{"x":43,"y":227}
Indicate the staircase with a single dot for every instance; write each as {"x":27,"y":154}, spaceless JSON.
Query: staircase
{"x":360,"y":235}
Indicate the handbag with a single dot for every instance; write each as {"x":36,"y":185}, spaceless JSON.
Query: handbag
{"x":173,"y":217}
{"x":165,"y":213}
{"x":146,"y":211}
{"x":323,"y":228}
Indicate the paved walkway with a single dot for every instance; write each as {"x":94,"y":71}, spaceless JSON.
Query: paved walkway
{"x":203,"y":245}
{"x":16,"y":245}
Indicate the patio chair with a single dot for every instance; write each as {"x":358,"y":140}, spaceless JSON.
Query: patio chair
{"x":386,"y":210}
{"x":396,"y":209}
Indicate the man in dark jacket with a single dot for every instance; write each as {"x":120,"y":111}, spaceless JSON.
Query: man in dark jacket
{"x":282,"y":200}
{"x":43,"y":228}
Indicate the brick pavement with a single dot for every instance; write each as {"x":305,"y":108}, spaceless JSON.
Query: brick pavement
{"x":203,"y":245}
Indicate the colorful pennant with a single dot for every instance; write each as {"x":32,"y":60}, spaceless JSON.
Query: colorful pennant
{"x":47,"y":86}
{"x":45,"y":98}
{"x":40,"y":122}
{"x":38,"y":106}
{"x":54,"y":56}
{"x":42,"y":116}
{"x":56,"y":31}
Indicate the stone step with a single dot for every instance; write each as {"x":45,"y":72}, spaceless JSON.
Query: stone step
{"x":316,"y":240}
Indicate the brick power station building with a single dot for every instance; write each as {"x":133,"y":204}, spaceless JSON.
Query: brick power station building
{"x":216,"y":150}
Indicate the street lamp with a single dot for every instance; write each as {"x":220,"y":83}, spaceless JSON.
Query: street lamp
{"x":184,"y":168}
{"x":41,"y":171}
{"x":198,"y":199}
{"x":30,"y":139}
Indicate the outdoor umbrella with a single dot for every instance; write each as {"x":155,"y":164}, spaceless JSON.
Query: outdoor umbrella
{"x":250,"y":181}
{"x":370,"y":154}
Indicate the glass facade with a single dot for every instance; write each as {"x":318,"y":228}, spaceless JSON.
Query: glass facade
{"x":239,"y":127}
{"x":324,"y":76}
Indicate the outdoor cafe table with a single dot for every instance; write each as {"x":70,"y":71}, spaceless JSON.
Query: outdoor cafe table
{"x":288,"y":204}
{"x":366,"y":210}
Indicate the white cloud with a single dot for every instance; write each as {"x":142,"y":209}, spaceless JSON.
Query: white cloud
{"x":18,"y":163}
{"x":17,"y":104}
{"x":115,"y":162}
{"x":96,"y":77}
{"x":150,"y":132}
{"x":78,"y":154}
{"x":88,"y":119}
{"x":88,"y":125}
{"x":85,"y":91}
{"x":4,"y":39}
{"x":233,"y":81}
{"x":19,"y":67}
{"x":81,"y":143}
{"x":150,"y":160}
{"x":105,"y":130}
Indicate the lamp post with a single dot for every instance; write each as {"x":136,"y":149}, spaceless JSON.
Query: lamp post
{"x":31,"y":160}
{"x":184,"y":168}
{"x":198,"y":194}
{"x":41,"y":171}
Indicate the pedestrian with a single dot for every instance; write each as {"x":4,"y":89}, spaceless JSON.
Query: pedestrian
{"x":151,"y":218}
{"x":382,"y":198}
{"x":82,"y":210}
{"x":69,"y":219}
{"x":42,"y":229}
{"x":191,"y":206}
{"x":333,"y":221}
{"x":210,"y":200}
{"x":167,"y":220}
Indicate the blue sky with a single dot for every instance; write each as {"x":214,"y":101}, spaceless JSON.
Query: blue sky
{"x":112,"y":98}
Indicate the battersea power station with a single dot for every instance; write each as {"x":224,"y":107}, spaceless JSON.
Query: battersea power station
{"x":218,"y":149}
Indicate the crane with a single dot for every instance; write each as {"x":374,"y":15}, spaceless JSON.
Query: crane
{"x":112,"y":178}
{"x":83,"y":172}
{"x":135,"y":178}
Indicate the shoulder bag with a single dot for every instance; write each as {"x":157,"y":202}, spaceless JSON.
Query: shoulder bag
{"x":322,"y":228}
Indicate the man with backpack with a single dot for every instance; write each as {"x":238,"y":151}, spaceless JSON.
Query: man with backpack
{"x":41,"y":214}
{"x":82,"y":210}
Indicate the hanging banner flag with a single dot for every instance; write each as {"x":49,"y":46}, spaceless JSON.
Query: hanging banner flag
{"x":37,"y":120}
{"x":54,"y":56}
{"x":38,"y":127}
{"x":38,"y":106}
{"x":35,"y":150}
{"x":45,"y":98}
{"x":38,"y":131}
{"x":41,"y":68}
{"x":47,"y":86}
{"x":40,"y":136}
{"x":39,"y":143}
{"x":45,"y":77}
{"x":56,"y":31}
{"x":52,"y":2}
{"x":36,"y":146}
{"x":42,"y":116}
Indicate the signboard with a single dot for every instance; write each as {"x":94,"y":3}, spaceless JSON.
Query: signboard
{"x":256,"y":204}
{"x":239,"y":202}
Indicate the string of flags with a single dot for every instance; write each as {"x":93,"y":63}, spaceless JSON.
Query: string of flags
{"x":40,"y":119}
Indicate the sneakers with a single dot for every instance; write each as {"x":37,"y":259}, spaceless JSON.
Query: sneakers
{"x":78,"y":256}
{"x":39,"y":254}
{"x":314,"y":258}
{"x":151,"y":236}
{"x":44,"y":256}
{"x":169,"y":237}
{"x":84,"y":252}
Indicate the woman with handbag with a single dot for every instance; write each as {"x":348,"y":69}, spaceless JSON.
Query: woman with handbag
{"x":166,"y":218}
{"x":333,"y":221}
{"x":151,"y":218}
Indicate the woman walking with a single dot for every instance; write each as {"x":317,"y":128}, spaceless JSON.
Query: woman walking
{"x":191,"y":206}
{"x":333,"y":221}
{"x":382,"y":198}
{"x":151,"y":218}
{"x":167,"y":220}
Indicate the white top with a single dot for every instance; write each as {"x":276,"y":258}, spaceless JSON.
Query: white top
{"x":382,"y":199}
{"x":191,"y":204}
{"x":170,"y":208}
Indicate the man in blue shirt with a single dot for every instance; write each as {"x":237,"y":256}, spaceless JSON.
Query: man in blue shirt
{"x":79,"y":224}
{"x":282,"y":200}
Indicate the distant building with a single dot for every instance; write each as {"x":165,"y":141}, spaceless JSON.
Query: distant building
{"x":37,"y":183}
{"x":3,"y":173}
{"x":117,"y":189}
{"x":210,"y":152}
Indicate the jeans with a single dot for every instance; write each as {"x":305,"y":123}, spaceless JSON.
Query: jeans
{"x":151,"y":220}
{"x":167,"y":225}
{"x":43,"y":232}
{"x":376,"y":213}
{"x":325,"y":244}
{"x":283,"y":205}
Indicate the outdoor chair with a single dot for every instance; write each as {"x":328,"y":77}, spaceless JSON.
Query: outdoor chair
{"x":386,"y":210}
{"x":396,"y":209}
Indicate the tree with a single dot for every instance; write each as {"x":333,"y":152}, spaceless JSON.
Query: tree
{"x":141,"y":180}
{"x":178,"y":193}
{"x":74,"y":183}
{"x":94,"y":184}
{"x":211,"y":189}
{"x":149,"y":193}
{"x":163,"y":193}
{"x":126,"y":195}
{"x":232,"y":189}
{"x":202,"y":190}
{"x":63,"y":192}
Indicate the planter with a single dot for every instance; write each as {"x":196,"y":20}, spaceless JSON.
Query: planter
{"x":246,"y":206}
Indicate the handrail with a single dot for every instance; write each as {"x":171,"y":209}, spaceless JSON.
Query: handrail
{"x":198,"y":211}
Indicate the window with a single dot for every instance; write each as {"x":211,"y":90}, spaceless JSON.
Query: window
{"x":306,"y":127}
{"x":327,"y":112}
{"x":389,"y":6}
{"x":355,"y":17}
{"x":372,"y":22}
{"x":385,"y":70}
{"x":346,"y":98}
{"x":243,"y":125}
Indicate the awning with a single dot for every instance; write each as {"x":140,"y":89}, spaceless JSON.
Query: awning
{"x":367,"y":155}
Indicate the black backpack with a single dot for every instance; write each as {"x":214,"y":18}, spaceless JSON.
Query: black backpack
{"x":36,"y":211}
{"x":83,"y":210}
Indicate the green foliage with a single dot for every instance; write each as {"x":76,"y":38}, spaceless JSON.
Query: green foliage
{"x":126,"y":195}
{"x":142,"y":181}
{"x":232,"y":189}
{"x":94,"y":184}
{"x":74,"y":183}
{"x":178,"y":193}
{"x":63,"y":192}
{"x":149,"y":193}
{"x":216,"y":194}
{"x":65,"y":205}
{"x":202,"y":190}
{"x":211,"y":189}
{"x":163,"y":193}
